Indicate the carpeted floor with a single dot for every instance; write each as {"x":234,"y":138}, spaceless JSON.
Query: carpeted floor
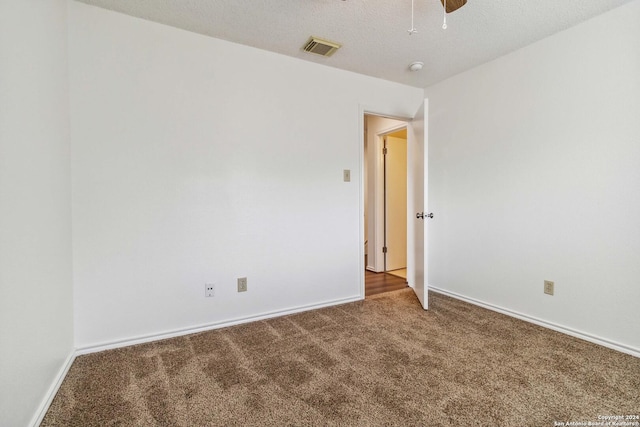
{"x":382,"y":361}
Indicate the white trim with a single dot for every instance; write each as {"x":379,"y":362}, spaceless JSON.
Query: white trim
{"x":544,"y":323}
{"x":392,"y":129}
{"x":53,"y":389}
{"x":362,"y":234}
{"x":207,"y":327}
{"x":371,"y":112}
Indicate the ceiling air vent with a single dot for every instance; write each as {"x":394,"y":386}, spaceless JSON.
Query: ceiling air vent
{"x":321,"y":47}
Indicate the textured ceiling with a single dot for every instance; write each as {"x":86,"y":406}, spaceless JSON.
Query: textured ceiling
{"x":374,"y":33}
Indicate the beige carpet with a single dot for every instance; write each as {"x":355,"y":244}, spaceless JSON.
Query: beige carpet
{"x":382,"y":361}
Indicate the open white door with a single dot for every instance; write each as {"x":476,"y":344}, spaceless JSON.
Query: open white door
{"x":417,"y":153}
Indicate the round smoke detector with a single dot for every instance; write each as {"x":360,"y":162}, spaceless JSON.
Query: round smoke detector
{"x":416,"y":66}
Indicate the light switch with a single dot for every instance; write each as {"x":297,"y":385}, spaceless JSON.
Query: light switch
{"x":346,"y":174}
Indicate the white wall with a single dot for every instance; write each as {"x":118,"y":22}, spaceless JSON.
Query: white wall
{"x":534,"y":174}
{"x":36,"y":312}
{"x":196,"y":160}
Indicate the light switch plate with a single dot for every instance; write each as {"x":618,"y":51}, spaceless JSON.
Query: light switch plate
{"x":242,"y":284}
{"x":346,"y":175}
{"x":548,"y":287}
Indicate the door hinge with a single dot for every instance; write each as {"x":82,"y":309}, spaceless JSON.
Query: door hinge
{"x":384,"y":151}
{"x":384,"y":250}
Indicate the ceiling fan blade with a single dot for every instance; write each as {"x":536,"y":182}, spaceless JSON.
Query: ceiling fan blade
{"x":453,"y":5}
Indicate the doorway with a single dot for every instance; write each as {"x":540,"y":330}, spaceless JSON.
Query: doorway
{"x":385,"y":203}
{"x":372,"y":206}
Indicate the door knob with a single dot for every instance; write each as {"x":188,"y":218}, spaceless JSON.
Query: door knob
{"x":429,"y":215}
{"x":420,"y":215}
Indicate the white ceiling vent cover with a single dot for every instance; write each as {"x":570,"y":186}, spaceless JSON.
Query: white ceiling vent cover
{"x":321,"y":47}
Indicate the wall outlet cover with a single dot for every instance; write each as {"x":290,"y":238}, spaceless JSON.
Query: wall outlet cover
{"x":209,"y":290}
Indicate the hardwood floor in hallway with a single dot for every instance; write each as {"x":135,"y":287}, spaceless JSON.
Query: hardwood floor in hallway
{"x":377,"y":283}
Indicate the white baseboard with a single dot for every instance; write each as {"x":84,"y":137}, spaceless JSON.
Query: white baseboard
{"x":544,"y":323}
{"x":201,"y":328}
{"x":53,"y":389}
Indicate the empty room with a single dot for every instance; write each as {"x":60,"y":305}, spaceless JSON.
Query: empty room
{"x":192,"y":204}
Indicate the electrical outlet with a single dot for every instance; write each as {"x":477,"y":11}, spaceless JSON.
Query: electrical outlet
{"x":242,"y":284}
{"x":548,"y":287}
{"x":209,"y":289}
